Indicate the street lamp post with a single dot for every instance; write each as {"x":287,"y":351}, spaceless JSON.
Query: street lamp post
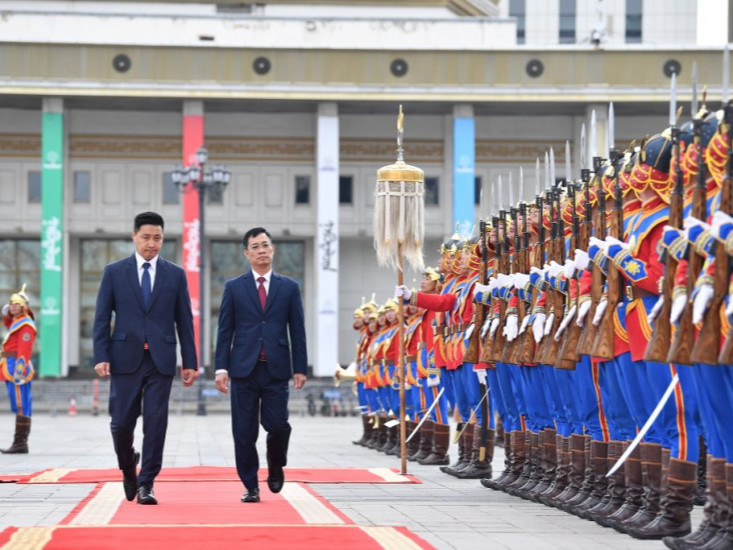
{"x":202,"y":180}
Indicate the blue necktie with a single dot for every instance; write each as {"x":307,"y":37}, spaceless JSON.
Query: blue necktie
{"x":145,"y":284}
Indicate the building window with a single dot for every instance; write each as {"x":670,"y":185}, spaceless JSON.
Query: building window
{"x":82,"y":186}
{"x":633,"y":21}
{"x":228,"y":262}
{"x":34,"y":187}
{"x":478,"y":184}
{"x":95,"y":254}
{"x":346,"y":189}
{"x":431,"y":191}
{"x":518,"y":9}
{"x":567,"y":21}
{"x":20,"y":262}
{"x":170,"y":190}
{"x":302,"y":189}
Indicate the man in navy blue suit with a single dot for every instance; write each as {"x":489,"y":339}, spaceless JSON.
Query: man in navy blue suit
{"x":260,"y":346}
{"x":149,"y":297}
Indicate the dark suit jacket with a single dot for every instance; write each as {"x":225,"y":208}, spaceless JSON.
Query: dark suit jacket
{"x":169,"y":312}
{"x":244,"y":327}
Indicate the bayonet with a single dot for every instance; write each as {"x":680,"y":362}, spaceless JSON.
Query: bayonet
{"x":583,"y":148}
{"x":521,"y":184}
{"x":511,"y":193}
{"x":673,"y":100}
{"x":694,"y":88}
{"x":593,"y":144}
{"x":568,"y":167}
{"x":726,"y":73}
{"x":610,"y":127}
{"x":537,"y":176}
{"x":552,"y":167}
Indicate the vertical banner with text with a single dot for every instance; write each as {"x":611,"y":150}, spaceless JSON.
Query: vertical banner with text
{"x":193,"y":138}
{"x":327,"y":242}
{"x":52,"y":205}
{"x":464,"y":155}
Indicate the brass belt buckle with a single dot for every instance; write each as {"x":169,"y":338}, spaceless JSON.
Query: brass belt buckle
{"x":629,"y":293}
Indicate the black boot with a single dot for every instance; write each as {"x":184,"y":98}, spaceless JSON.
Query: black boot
{"x":441,"y":442}
{"x":461,"y":450}
{"x":634,"y":482}
{"x":674,"y":520}
{"x":426,"y":442}
{"x":365,"y":433}
{"x":20,"y":441}
{"x":562,"y":472}
{"x":651,"y":468}
{"x":576,"y":475}
{"x":480,"y":465}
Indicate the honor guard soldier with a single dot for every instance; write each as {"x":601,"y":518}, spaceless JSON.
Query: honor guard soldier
{"x":16,"y":366}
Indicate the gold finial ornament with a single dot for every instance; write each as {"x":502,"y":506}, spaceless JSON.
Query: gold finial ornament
{"x":399,"y":214}
{"x":19,"y":297}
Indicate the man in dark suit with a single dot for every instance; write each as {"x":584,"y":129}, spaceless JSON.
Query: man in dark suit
{"x":260,"y":345}
{"x":149,"y":297}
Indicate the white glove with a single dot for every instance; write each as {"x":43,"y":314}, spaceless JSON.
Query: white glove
{"x":678,"y":307}
{"x":554,"y":269}
{"x":469,"y":331}
{"x":478,"y":288}
{"x":569,"y":268}
{"x":538,"y":327}
{"x":603,"y":245}
{"x":6,"y":309}
{"x":433,"y":381}
{"x":511,"y":327}
{"x":548,"y":324}
{"x":656,"y":309}
{"x":485,"y":328}
{"x":494,"y":326}
{"x":600,"y":310}
{"x":402,"y":291}
{"x":581,"y":259}
{"x":720,"y":219}
{"x":481,"y":375}
{"x":613,"y":240}
{"x":525,"y":324}
{"x":701,"y":303}
{"x":520,"y":280}
{"x":565,"y":322}
{"x":583,"y":310}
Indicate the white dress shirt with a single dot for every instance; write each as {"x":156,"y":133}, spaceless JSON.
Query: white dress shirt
{"x":140,"y":269}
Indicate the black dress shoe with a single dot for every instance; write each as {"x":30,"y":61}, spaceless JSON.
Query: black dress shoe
{"x":252,"y":495}
{"x":275,"y":480}
{"x":129,"y":478}
{"x":145,"y":494}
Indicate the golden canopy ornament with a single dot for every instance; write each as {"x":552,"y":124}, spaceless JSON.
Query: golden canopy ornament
{"x":399,"y":211}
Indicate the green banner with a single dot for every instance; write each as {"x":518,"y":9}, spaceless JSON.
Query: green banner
{"x":52,"y":206}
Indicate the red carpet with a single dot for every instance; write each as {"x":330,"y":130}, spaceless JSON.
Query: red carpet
{"x":206,"y":503}
{"x":223,"y":473}
{"x":352,"y":537}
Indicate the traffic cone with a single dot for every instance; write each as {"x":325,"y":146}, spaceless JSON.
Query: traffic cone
{"x":72,"y":406}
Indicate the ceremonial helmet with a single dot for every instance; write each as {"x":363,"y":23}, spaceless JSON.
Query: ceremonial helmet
{"x":20,"y":297}
{"x":433,"y":274}
{"x":691,"y":158}
{"x":717,"y":151}
{"x":472,"y":247}
{"x":652,"y":170}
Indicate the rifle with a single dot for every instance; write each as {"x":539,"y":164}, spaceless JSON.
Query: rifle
{"x":503,"y":267}
{"x":726,"y":354}
{"x":548,"y":348}
{"x":710,"y":332}
{"x":661,"y":339}
{"x":684,"y":336}
{"x":472,"y":350}
{"x":508,"y":354}
{"x":551,"y":356}
{"x":588,"y":336}
{"x":526,"y":346}
{"x":603,"y":347}
{"x":488,"y":343}
{"x":568,"y":350}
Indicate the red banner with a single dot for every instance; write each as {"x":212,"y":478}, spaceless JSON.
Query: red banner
{"x":193,"y":138}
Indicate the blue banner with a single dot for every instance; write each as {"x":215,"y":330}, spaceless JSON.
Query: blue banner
{"x":464,"y":173}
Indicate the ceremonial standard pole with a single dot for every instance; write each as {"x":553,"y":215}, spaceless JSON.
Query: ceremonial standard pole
{"x":399,"y":221}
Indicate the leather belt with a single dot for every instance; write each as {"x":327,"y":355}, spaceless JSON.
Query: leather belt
{"x":421,"y":345}
{"x":389,"y":363}
{"x":410,"y":358}
{"x":9,"y":354}
{"x":637,"y":293}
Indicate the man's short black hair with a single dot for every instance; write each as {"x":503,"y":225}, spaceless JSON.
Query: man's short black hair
{"x":148,"y":218}
{"x":253,"y":233}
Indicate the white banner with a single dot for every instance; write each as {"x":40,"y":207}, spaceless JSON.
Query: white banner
{"x":325,"y":354}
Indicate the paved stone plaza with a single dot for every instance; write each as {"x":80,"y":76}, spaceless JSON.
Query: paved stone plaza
{"x":447,"y":512}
